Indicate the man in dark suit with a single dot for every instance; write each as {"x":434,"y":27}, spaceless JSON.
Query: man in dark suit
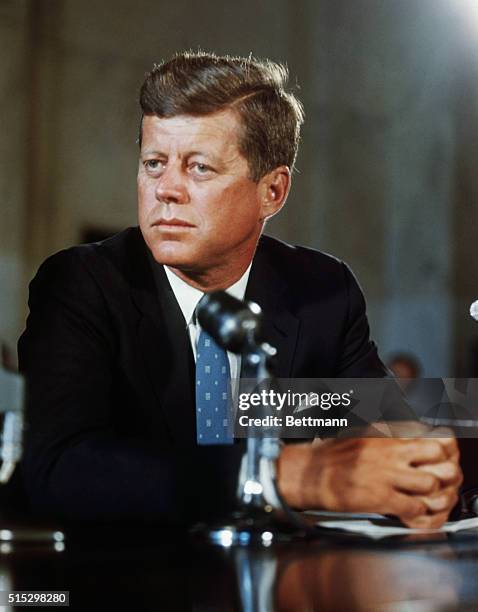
{"x":111,"y":340}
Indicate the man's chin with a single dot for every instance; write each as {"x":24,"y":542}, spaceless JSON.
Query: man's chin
{"x":173,"y":256}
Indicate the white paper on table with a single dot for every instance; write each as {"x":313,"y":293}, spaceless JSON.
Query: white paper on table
{"x":369,"y":525}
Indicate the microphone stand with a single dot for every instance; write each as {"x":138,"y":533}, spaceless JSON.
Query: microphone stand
{"x":13,"y":531}
{"x":261,"y":516}
{"x":12,"y":398}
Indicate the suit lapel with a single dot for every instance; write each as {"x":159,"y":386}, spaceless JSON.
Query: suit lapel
{"x":165,"y":347}
{"x":266,"y":286}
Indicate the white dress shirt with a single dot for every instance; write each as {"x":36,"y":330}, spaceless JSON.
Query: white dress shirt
{"x":188,"y":298}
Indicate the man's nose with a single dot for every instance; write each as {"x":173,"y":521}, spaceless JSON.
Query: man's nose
{"x":171,"y":186}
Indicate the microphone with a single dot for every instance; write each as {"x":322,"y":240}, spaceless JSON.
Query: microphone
{"x":474,"y":310}
{"x":232,"y":323}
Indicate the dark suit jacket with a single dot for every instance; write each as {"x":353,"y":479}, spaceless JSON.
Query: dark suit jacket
{"x":110,"y":373}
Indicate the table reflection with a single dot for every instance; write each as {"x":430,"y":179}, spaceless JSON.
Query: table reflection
{"x":367,"y":580}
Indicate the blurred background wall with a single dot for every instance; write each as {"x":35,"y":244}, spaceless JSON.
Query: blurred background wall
{"x":387,"y":173}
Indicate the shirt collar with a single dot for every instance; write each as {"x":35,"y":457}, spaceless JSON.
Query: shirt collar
{"x":188,"y":297}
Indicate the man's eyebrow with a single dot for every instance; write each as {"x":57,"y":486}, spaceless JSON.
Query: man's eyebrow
{"x":210,"y":157}
{"x":187,"y":154}
{"x":203,"y":153}
{"x":218,"y":161}
{"x":153,"y":152}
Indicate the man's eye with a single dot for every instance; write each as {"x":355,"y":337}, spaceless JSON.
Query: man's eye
{"x":201,"y":168}
{"x":151,"y":164}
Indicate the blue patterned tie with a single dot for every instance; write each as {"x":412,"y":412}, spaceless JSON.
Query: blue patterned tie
{"x":213,"y":377}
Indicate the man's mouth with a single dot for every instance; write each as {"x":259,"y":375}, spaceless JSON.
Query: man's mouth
{"x":170,"y":223}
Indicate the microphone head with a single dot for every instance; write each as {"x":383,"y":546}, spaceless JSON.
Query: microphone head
{"x":231,"y":322}
{"x":474,"y":310}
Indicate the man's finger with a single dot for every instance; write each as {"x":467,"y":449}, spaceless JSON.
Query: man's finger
{"x":442,"y":501}
{"x":403,"y":505}
{"x":414,"y":480}
{"x":447,"y":440}
{"x":423,"y":451}
{"x":427,"y":521}
{"x":446,"y":472}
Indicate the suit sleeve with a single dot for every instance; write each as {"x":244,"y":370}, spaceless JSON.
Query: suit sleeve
{"x":359,"y":357}
{"x":76,"y":466}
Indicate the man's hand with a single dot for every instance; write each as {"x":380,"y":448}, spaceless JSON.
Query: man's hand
{"x":414,"y":479}
{"x":450,"y":476}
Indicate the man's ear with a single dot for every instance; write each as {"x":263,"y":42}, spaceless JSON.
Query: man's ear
{"x":274,"y":188}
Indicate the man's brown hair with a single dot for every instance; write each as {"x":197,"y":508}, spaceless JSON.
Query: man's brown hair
{"x":204,"y":83}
